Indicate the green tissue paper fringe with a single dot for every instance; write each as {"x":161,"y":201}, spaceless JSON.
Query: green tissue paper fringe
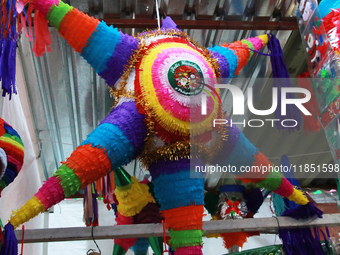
{"x":69,"y":181}
{"x":272,"y":182}
{"x":15,"y":138}
{"x":58,"y":13}
{"x":251,"y":46}
{"x":185,"y":238}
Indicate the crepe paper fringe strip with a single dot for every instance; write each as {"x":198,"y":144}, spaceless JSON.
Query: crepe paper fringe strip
{"x":132,"y":201}
{"x":112,"y":139}
{"x":185,"y":238}
{"x":230,"y":58}
{"x":13,"y":153}
{"x":234,"y":56}
{"x":179,"y":189}
{"x":254,"y":199}
{"x":105,"y":186}
{"x":242,"y":154}
{"x":184,"y":217}
{"x":282,"y":80}
{"x":89,"y":163}
{"x":170,"y":167}
{"x":8,"y":44}
{"x":141,"y":246}
{"x":68,"y":180}
{"x":117,"y":63}
{"x":298,"y":197}
{"x":273,"y":181}
{"x":279,"y":204}
{"x":223,"y":63}
{"x":242,"y":53}
{"x":192,"y":250}
{"x":57,"y":13}
{"x":50,"y":193}
{"x":125,"y":243}
{"x":77,"y":27}
{"x":149,"y":214}
{"x":102,"y":43}
{"x":42,"y":34}
{"x":10,"y":246}
{"x":32,"y":208}
{"x":127,"y":118}
{"x":300,"y":241}
{"x":168,"y":23}
{"x":45,"y":5}
{"x":256,"y":177}
{"x":92,"y":38}
{"x":91,"y":216}
{"x":236,"y":238}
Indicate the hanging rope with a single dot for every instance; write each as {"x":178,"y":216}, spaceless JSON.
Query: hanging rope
{"x":22,"y":240}
{"x":164,"y":240}
{"x":157,"y":13}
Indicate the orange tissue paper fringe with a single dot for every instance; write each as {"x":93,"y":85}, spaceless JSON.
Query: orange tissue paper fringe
{"x":260,"y":161}
{"x":238,"y":238}
{"x":242,"y":52}
{"x":77,"y":33}
{"x":89,"y":164}
{"x":184,"y":217}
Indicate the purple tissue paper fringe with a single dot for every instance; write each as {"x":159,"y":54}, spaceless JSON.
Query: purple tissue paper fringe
{"x":115,"y":66}
{"x":301,"y":241}
{"x":130,"y":121}
{"x":171,"y":167}
{"x":10,"y":247}
{"x":282,"y":80}
{"x":168,"y":23}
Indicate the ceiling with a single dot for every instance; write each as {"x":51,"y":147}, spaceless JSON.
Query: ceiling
{"x":68,"y":100}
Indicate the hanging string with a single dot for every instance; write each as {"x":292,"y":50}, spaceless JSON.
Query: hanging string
{"x":22,"y":240}
{"x":164,"y":240}
{"x":278,"y":225}
{"x":91,"y":250}
{"x":157,"y":13}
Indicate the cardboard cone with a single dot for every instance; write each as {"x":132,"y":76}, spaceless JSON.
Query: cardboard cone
{"x":156,"y":244}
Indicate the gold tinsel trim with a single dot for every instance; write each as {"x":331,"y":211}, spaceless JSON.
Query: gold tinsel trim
{"x":121,"y":92}
{"x":179,"y":150}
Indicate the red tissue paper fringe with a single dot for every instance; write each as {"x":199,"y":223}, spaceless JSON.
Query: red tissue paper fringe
{"x":42,"y":34}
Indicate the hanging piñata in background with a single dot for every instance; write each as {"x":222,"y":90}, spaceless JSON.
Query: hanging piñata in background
{"x":153,"y":120}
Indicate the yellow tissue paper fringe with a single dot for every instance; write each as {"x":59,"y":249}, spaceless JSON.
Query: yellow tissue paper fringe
{"x":298,"y":197}
{"x":11,"y":141}
{"x":32,"y":208}
{"x":165,"y":119}
{"x":133,"y":200}
{"x":264,"y":39}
